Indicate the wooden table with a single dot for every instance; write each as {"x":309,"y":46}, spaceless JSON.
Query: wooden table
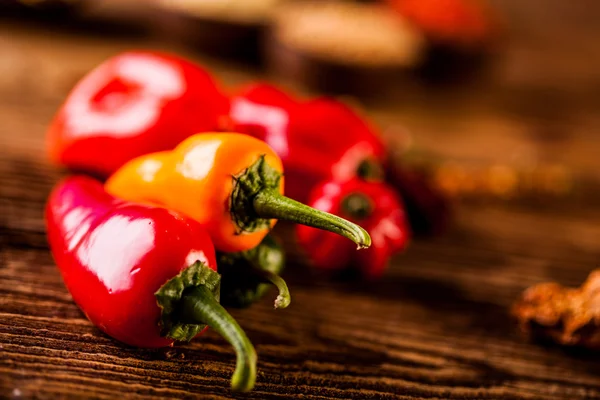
{"x":437,"y":326}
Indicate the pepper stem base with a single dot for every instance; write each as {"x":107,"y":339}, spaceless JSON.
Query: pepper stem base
{"x":256,"y":200}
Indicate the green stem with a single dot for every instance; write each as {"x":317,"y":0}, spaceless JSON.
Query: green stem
{"x":271,"y":204}
{"x":198,"y":306}
{"x":284,"y":298}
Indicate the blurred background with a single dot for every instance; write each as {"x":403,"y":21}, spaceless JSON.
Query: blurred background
{"x":495,"y":99}
{"x":494,"y":102}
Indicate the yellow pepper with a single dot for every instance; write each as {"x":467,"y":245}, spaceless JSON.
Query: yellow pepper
{"x":231,"y":183}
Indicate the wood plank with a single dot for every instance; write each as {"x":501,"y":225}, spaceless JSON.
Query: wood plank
{"x":437,"y":326}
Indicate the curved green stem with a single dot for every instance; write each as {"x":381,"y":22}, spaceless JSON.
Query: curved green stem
{"x":284,"y":298}
{"x":271,"y":204}
{"x":198,"y":306}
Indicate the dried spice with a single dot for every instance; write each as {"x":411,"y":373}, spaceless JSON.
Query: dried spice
{"x":468,"y":180}
{"x":568,"y":316}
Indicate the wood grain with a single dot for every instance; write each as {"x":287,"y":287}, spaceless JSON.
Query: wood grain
{"x":435,"y":327}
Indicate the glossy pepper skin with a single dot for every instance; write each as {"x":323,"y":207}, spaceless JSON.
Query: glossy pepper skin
{"x":248,"y":275}
{"x":134,"y":270}
{"x":231,"y":183}
{"x":374,"y":206}
{"x":316,"y":140}
{"x":132,"y":104}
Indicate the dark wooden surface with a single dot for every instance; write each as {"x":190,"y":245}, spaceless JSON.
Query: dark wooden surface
{"x":437,"y":326}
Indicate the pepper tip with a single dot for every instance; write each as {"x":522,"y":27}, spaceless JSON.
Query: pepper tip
{"x":282,"y":301}
{"x":244,"y":376}
{"x":365,"y":243}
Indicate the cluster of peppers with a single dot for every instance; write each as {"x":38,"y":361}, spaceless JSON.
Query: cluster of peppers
{"x":139,"y":244}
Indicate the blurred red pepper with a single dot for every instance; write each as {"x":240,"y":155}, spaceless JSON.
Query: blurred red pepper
{"x":322,"y":139}
{"x":144,"y":275}
{"x":462,"y":36}
{"x":316,"y":140}
{"x":132,"y":104}
{"x":372,"y":205}
{"x":454,"y":22}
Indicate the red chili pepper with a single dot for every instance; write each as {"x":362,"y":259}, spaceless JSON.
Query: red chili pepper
{"x":372,"y":205}
{"x":316,"y":140}
{"x":132,"y":104}
{"x":321,"y":140}
{"x":458,"y":22}
{"x":143,"y":275}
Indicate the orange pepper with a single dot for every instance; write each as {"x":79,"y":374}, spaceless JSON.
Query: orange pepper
{"x":231,"y":183}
